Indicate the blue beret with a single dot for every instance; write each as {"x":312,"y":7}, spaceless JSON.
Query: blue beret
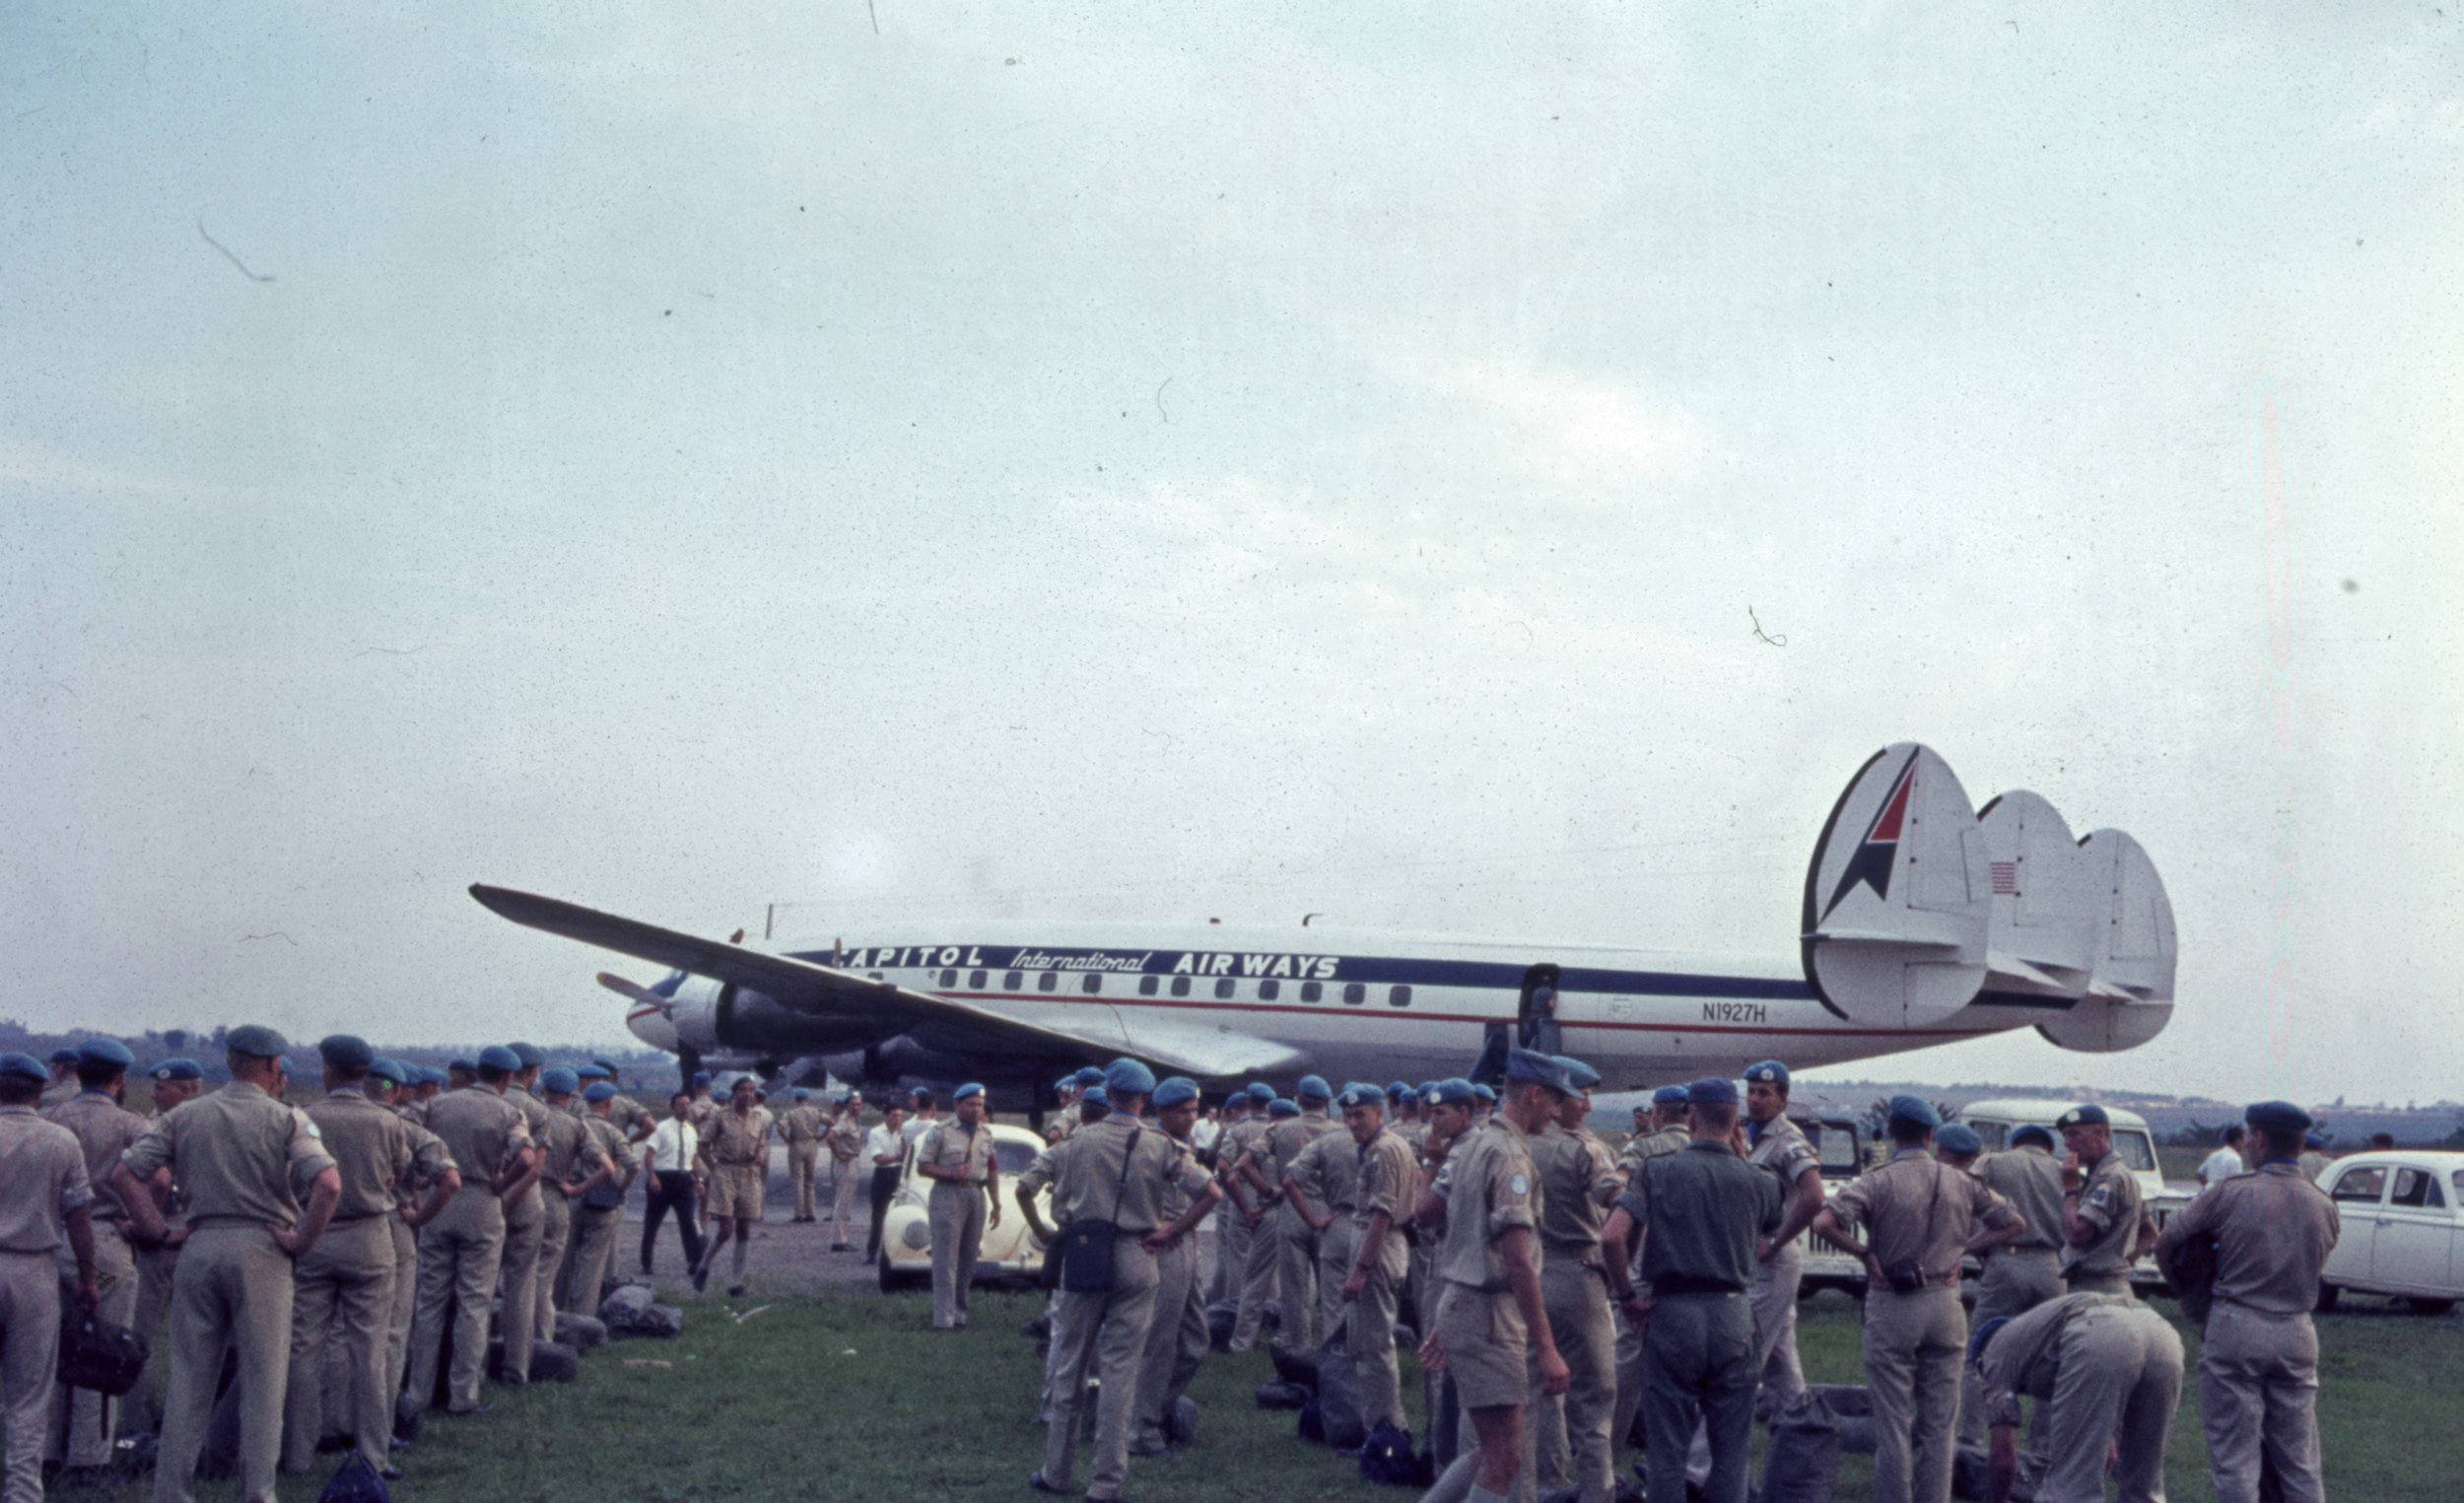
{"x":466,"y":1067}
{"x":104,"y":1052}
{"x":1066,"y":1083}
{"x":1360,"y":1093}
{"x":2277,"y":1117}
{"x":1579,"y":1076}
{"x":258,"y":1041}
{"x":1408,"y":1098}
{"x":177,"y":1068}
{"x":530,"y":1055}
{"x":1284,"y":1106}
{"x":497,"y":1057}
{"x":701,"y":1078}
{"x":24,"y":1067}
{"x":2314,"y":1140}
{"x":1914,"y":1109}
{"x":2032,"y":1133}
{"x":1712,"y":1091}
{"x":1427,"y":1089}
{"x":1452,"y":1091}
{"x":802,"y":1094}
{"x":1128,"y":1077}
{"x":1088,"y":1076}
{"x":2088,"y":1114}
{"x":393,"y":1070}
{"x":1485,"y":1093}
{"x":1095,"y":1094}
{"x":1260,"y":1092}
{"x":1669,"y":1096}
{"x":1958,"y":1137}
{"x":593,"y":1070}
{"x":1535,"y":1068}
{"x":1397,"y":1089}
{"x":971,"y":1088}
{"x":1313,"y":1088}
{"x":346,"y":1051}
{"x":1173,"y":1090}
{"x":1768,"y":1072}
{"x":843,"y":1098}
{"x":61,"y":1055}
{"x":559,"y":1078}
{"x":1985,"y":1331}
{"x":609,"y":1065}
{"x":599,"y":1090}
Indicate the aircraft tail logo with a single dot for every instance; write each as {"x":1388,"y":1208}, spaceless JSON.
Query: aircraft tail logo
{"x":1879,"y":853}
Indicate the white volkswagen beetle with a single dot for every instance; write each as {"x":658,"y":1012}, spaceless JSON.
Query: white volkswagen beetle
{"x":2400,"y":1234}
{"x":1009,"y":1251}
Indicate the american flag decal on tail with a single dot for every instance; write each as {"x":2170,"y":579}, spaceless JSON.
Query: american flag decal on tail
{"x":2006,"y":879}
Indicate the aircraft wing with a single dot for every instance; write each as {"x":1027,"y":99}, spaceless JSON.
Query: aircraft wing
{"x":942,"y":1023}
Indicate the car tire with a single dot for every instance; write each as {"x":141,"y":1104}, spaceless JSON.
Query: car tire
{"x":2428,"y":1306}
{"x":892,"y":1280}
{"x":2327,"y":1295}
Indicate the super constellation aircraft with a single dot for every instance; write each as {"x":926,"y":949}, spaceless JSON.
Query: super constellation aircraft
{"x":1923,"y":922}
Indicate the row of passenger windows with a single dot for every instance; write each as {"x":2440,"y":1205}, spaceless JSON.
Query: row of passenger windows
{"x":1225,"y":988}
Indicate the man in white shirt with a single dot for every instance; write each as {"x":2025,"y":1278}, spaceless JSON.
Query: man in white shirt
{"x":885,"y":1150}
{"x":920,"y":1115}
{"x":2225,"y":1162}
{"x":671,"y":1147}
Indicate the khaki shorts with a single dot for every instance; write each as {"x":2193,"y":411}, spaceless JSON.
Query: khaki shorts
{"x":735,"y":1190}
{"x":1485,"y":1344}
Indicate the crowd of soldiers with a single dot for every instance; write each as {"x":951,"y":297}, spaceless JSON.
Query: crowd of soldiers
{"x":1559,"y":1287}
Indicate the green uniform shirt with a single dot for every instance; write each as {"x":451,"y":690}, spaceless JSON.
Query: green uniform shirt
{"x":1704,"y":1208}
{"x":235,"y":1151}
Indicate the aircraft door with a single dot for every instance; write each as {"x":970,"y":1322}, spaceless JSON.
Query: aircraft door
{"x":1536,"y":1017}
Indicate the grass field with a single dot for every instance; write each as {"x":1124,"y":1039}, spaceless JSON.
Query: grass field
{"x":849,"y":1397}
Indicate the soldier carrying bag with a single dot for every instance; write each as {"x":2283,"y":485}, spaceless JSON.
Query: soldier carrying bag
{"x":1081,"y":1256}
{"x":97,"y":1354}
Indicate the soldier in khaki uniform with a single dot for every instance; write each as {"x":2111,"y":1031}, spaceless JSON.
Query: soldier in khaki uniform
{"x":63,"y":1086}
{"x":525,"y":1221}
{"x":171,"y":1082}
{"x":2107,"y":1371}
{"x":1383,"y":1201}
{"x":599,"y":1207}
{"x":45,"y":1199}
{"x":1659,"y":1127}
{"x":1492,"y":1322}
{"x":736,"y":1152}
{"x":342,"y":1290}
{"x":2026,"y":1271}
{"x":1113,"y":1171}
{"x":1318,"y":1188}
{"x":1236,"y":1230}
{"x":432,"y":1175}
{"x":2258,"y":1357}
{"x":846,"y":1141}
{"x":957,"y":1157}
{"x":2105,"y":1213}
{"x":1568,"y":1434}
{"x":1920,"y":1217}
{"x":633,"y":1119}
{"x":238,"y":1151}
{"x":1175,"y":1335}
{"x":802,"y":1126}
{"x":1296,"y":1235}
{"x":1254,"y":1175}
{"x":461,"y":1252}
{"x":569,"y":1163}
{"x":104,"y":1130}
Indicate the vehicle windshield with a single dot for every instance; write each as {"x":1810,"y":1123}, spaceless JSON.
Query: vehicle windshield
{"x":2136,"y":1150}
{"x":1013,"y":1158}
{"x":1837,"y":1144}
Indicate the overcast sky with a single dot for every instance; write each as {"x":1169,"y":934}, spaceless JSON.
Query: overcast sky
{"x":922,"y":462}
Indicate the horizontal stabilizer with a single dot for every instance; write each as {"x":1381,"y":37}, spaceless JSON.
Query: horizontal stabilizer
{"x":1894,"y":926}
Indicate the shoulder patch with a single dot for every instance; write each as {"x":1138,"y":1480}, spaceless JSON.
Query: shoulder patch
{"x":1521,"y":1184}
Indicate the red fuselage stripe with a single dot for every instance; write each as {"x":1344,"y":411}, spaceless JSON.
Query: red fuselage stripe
{"x":1363,"y":1009}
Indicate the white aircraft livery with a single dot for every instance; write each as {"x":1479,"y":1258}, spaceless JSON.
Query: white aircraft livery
{"x":1925,"y":921}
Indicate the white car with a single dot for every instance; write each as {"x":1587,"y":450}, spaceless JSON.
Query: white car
{"x":1009,"y":1251}
{"x":1995,"y":1120}
{"x":2400,"y":1234}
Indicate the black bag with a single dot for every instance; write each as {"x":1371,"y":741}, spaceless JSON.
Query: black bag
{"x":1081,"y":1256}
{"x":605,"y":1196}
{"x":1313,"y":1421}
{"x":97,"y":1354}
{"x":1387,"y":1457}
{"x":2192,"y":1277}
{"x":356,"y":1483}
{"x":1283,"y":1396}
{"x":1801,"y":1465}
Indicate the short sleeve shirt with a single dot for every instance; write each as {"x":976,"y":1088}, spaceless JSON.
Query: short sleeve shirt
{"x":802,"y":1124}
{"x":104,"y":1130}
{"x":733,"y":1139}
{"x":2110,"y":1202}
{"x":950,"y":1145}
{"x":481,"y":1129}
{"x":1327,"y":1171}
{"x":1917,"y":1207}
{"x":1287,"y":1138}
{"x":1492,"y":1187}
{"x":2030,"y":1179}
{"x":568,"y":1153}
{"x":236,"y":1150}
{"x":43,"y":1178}
{"x":1703,"y":1209}
{"x":369,"y":1144}
{"x":846,"y":1138}
{"x":2273,"y":1231}
{"x":1579,"y":1179}
{"x":1650,"y":1145}
{"x":1781,"y":1147}
{"x":612,"y":1142}
{"x":429,"y":1162}
{"x":1115,"y":1170}
{"x":1390,"y":1181}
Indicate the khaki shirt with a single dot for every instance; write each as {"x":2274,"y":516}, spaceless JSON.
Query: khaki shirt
{"x":1489,"y":1187}
{"x":949,"y":1146}
{"x":1703,"y":1209}
{"x":104,"y":1130}
{"x":568,"y":1153}
{"x":612,"y":1143}
{"x":1918,"y":1207}
{"x":801,"y":1124}
{"x":369,"y":1144}
{"x":2030,"y":1179}
{"x":1414,"y":1133}
{"x":2273,"y":1231}
{"x":733,"y":1139}
{"x":701,"y":1110}
{"x":1327,"y":1171}
{"x":1782,"y":1148}
{"x":1390,"y":1181}
{"x":429,"y":1162}
{"x":1242,"y":1136}
{"x":1285,"y":1140}
{"x":57,"y":1093}
{"x":43,"y":1178}
{"x":413,"y":1112}
{"x":481,"y":1129}
{"x":846,"y":1137}
{"x":1650,"y":1145}
{"x":235,"y":1151}
{"x":2026,"y":1356}
{"x":1579,"y":1180}
{"x":1097,"y":1175}
{"x":630,"y":1116}
{"x":2111,"y":1202}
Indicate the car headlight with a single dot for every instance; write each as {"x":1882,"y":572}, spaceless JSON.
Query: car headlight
{"x":918,"y":1235}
